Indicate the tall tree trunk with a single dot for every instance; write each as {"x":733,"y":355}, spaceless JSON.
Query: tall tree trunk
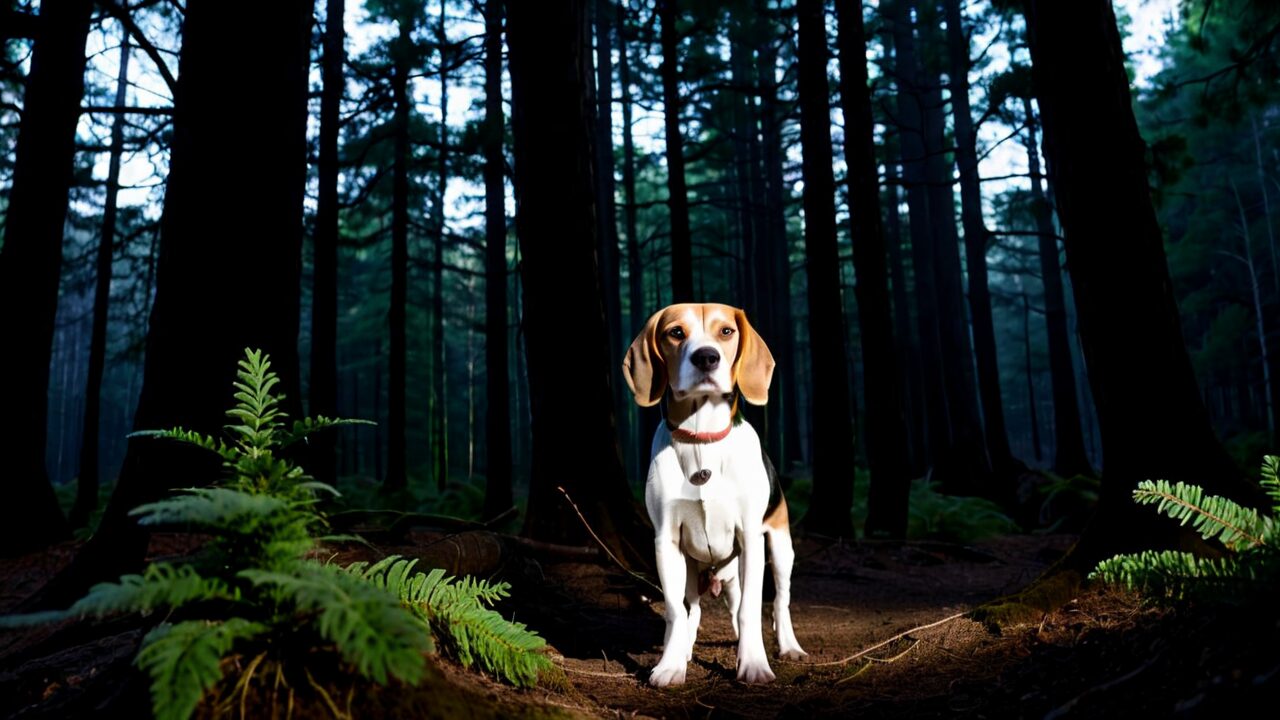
{"x":1153,"y":421}
{"x":497,"y":493}
{"x":87,"y":481}
{"x":396,"y":477}
{"x":886,"y":424}
{"x":908,"y":346}
{"x":833,"y":431}
{"x":937,"y":438}
{"x":324,"y":292}
{"x":1031,"y":384}
{"x":556,"y":225}
{"x":1069,"y":456}
{"x":30,"y":266}
{"x":609,"y":262}
{"x":784,"y":436}
{"x":202,"y":318}
{"x":1258,"y":312}
{"x":975,"y":245}
{"x":965,"y":466}
{"x":677,"y":192}
{"x":639,"y":420}
{"x":439,"y":416}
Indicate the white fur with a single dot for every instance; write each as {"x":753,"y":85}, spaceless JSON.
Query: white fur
{"x":697,"y":527}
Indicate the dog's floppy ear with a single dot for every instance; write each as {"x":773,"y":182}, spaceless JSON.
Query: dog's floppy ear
{"x":643,"y":367}
{"x":753,"y":368}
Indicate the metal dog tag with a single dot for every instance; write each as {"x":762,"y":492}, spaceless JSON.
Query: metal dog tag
{"x":701,"y":477}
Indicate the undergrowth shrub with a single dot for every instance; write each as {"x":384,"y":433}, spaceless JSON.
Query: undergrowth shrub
{"x":255,"y":587}
{"x":1251,"y":540}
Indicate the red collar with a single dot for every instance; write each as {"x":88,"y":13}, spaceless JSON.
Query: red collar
{"x":699,"y":438}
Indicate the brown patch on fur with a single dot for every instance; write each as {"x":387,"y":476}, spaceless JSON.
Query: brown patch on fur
{"x":779,"y":519}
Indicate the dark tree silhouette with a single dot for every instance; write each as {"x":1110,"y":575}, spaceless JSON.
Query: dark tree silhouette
{"x":497,"y":493}
{"x":571,"y":400}
{"x":223,"y":283}
{"x":30,"y":265}
{"x":1153,"y":422}
{"x":402,"y":50}
{"x":439,"y":413}
{"x":678,"y":193}
{"x":833,"y":432}
{"x":87,"y":479}
{"x":886,"y":425}
{"x":323,"y":387}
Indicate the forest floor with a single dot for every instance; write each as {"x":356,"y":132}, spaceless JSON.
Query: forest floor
{"x":1104,"y":654}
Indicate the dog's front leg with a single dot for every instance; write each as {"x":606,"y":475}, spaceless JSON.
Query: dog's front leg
{"x":672,"y":573}
{"x":753,"y":664}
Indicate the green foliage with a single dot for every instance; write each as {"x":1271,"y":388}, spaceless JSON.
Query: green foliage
{"x":185,"y":659}
{"x":1251,"y":540}
{"x":254,"y":582}
{"x":458,"y":613}
{"x":953,"y":518}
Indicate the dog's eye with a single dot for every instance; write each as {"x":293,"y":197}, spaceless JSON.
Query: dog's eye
{"x":726,"y":332}
{"x":676,"y":332}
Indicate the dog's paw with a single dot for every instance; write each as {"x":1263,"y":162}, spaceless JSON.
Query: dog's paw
{"x":754,"y":671}
{"x":792,"y":653}
{"x":667,"y":674}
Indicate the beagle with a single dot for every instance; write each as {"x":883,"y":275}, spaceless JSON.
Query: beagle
{"x":710,"y":497}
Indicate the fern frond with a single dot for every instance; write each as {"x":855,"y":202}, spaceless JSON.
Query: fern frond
{"x":161,"y":585}
{"x":1271,"y":481}
{"x":185,"y":660}
{"x":257,"y":409}
{"x":191,"y":437}
{"x":1175,"y":574}
{"x":456,"y":613}
{"x":1212,"y":516}
{"x":306,"y":426}
{"x":217,"y":507}
{"x":368,"y":625}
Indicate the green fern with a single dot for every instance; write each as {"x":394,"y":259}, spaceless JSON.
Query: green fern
{"x":1251,"y":538}
{"x":456,"y":612}
{"x":184,"y":660}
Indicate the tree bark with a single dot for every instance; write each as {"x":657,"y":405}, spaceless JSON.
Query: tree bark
{"x":1069,"y":456}
{"x":677,"y":192}
{"x":556,"y":223}
{"x":1153,"y":421}
{"x":396,"y":477}
{"x":635,"y":266}
{"x":498,"y":494}
{"x":1031,"y":383}
{"x":87,"y":478}
{"x":784,"y":436}
{"x":30,"y":268}
{"x":975,"y":245}
{"x":203,"y":317}
{"x":937,"y":438}
{"x":324,"y":292}
{"x":908,"y":347}
{"x":833,"y":431}
{"x":886,"y":425}
{"x":439,"y":415}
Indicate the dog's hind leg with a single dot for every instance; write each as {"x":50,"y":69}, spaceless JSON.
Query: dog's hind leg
{"x":783,"y":557}
{"x":732,"y":587}
{"x":692,"y":598}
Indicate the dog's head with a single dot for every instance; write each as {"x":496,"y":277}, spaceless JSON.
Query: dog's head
{"x":687,"y":347}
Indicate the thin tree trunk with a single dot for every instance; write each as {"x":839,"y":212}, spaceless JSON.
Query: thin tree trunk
{"x":1069,"y":456}
{"x":639,"y":420}
{"x":497,"y":494}
{"x":833,"y":431}
{"x":677,"y":192}
{"x":1031,"y":385}
{"x":784,"y":439}
{"x":908,"y":345}
{"x":1153,"y":420}
{"x":1258,"y":312}
{"x":937,"y":438}
{"x":30,"y":267}
{"x":610,"y":270}
{"x":886,"y":425}
{"x":1266,"y":201}
{"x":556,"y":225}
{"x":324,"y":293}
{"x":396,"y":476}
{"x":439,"y":415}
{"x":975,"y":244}
{"x":87,"y":477}
{"x":202,"y":319}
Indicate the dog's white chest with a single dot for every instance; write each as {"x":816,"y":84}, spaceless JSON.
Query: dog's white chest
{"x":708,"y":530}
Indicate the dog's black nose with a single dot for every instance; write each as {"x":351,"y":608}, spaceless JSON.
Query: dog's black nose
{"x":705,"y":359}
